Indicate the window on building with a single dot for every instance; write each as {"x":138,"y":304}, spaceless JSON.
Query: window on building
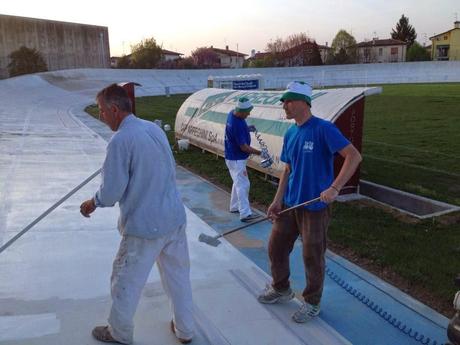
{"x":442,"y":52}
{"x":394,"y":51}
{"x":380,"y":51}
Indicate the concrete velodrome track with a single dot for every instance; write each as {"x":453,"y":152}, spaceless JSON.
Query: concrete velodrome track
{"x":54,"y":281}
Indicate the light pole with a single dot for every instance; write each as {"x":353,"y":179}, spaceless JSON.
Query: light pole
{"x":237,"y":60}
{"x":101,"y":37}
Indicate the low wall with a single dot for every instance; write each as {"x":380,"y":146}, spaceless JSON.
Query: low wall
{"x":154,"y":82}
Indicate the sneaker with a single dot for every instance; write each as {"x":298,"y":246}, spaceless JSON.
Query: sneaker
{"x":250,"y":217}
{"x":234,"y":211}
{"x":271,"y":296}
{"x":306,"y":312}
{"x":181,"y":340}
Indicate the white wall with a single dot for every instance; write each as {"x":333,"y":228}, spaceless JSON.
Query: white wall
{"x":187,"y":81}
{"x":382,"y":54}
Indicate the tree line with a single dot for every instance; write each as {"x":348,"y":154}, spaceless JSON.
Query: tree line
{"x":295,"y":50}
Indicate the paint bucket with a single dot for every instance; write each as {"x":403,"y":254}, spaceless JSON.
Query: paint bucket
{"x":167,"y":127}
{"x":183,"y":144}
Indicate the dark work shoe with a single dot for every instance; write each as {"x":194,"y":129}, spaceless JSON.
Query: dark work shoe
{"x":102,"y":333}
{"x":250,"y":217}
{"x":234,"y":211}
{"x":181,"y":340}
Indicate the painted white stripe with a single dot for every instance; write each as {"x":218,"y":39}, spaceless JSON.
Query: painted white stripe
{"x":18,"y":327}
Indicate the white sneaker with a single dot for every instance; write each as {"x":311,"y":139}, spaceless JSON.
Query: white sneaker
{"x":306,"y":312}
{"x":270,"y":295}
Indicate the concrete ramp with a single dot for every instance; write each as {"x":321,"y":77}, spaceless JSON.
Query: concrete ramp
{"x":188,"y":81}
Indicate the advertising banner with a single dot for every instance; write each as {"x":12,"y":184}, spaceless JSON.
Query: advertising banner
{"x":201,"y":118}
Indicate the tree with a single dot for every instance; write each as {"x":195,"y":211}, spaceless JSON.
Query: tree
{"x":124,"y":62}
{"x":146,"y":54}
{"x":417,"y":53}
{"x":26,"y":60}
{"x":304,"y":48}
{"x":275,"y":48}
{"x":404,"y":31}
{"x":343,"y":48}
{"x":295,"y":50}
{"x":186,"y":63}
{"x":205,"y":58}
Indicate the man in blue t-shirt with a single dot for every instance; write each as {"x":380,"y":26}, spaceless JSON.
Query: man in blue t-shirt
{"x":237,"y":150}
{"x":308,"y":153}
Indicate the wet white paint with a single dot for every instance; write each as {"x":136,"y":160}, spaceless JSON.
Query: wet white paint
{"x":65,"y":261}
{"x":19,"y":327}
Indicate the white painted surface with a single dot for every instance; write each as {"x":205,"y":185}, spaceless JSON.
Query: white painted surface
{"x":28,"y":326}
{"x":54,"y":281}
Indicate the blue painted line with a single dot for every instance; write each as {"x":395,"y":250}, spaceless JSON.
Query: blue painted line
{"x":356,"y":306}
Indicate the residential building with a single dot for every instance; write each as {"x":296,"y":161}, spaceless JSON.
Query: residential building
{"x":325,"y":52}
{"x":62,"y":45}
{"x":381,"y":50}
{"x":229,"y":58}
{"x":169,"y":55}
{"x":446,"y":45}
{"x":300,"y":55}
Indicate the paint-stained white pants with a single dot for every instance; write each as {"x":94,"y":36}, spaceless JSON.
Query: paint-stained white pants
{"x":239,"y":199}
{"x":131,"y":268}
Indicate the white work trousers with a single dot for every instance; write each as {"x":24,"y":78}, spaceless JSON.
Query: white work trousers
{"x":239,"y":199}
{"x":131,"y":267}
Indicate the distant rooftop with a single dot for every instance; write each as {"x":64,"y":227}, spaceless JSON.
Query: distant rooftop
{"x":169,"y":52}
{"x":380,"y":43}
{"x":228,"y":52}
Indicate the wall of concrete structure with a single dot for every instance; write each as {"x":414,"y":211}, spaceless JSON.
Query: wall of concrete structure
{"x":62,"y":45}
{"x":154,"y":82}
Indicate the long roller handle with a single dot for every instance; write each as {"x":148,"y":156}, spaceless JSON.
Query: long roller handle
{"x":48,"y":211}
{"x":306,"y":203}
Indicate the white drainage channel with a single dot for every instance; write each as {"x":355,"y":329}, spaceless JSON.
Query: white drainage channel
{"x":414,"y":205}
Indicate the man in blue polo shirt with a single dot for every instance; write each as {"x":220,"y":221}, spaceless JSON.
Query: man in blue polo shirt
{"x":237,"y":151}
{"x":308,"y":153}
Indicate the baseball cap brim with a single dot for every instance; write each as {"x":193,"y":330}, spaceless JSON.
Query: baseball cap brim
{"x":292,"y":96}
{"x":244,"y":110}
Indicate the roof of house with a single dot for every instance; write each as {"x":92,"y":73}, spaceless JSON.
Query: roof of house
{"x":443,"y":33}
{"x":260,"y":55}
{"x":228,"y":52}
{"x":169,"y":52}
{"x":381,"y":43}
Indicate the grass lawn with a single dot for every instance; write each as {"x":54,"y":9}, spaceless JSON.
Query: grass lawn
{"x":411,"y":142}
{"x":412,"y":139}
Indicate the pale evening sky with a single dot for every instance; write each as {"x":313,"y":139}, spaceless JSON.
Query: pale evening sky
{"x":183,"y":25}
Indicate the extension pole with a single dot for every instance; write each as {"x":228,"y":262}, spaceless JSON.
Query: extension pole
{"x":48,"y":211}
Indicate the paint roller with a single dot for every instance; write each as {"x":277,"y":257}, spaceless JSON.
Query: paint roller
{"x":214,"y":240}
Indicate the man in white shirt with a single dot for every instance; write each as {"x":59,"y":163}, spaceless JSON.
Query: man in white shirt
{"x":139,"y":174}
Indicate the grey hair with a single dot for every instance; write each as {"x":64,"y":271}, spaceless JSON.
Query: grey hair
{"x":115,"y":95}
